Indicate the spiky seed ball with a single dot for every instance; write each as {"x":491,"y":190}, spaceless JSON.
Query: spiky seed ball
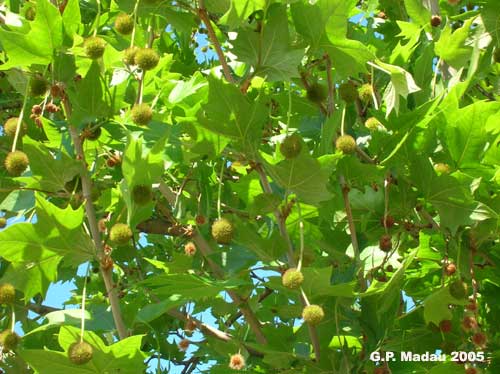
{"x":237,"y":362}
{"x":442,"y":168}
{"x":453,"y":2}
{"x":200,"y":220}
{"x":124,"y":23}
{"x":38,"y":85}
{"x":345,"y":144}
{"x":91,"y":133}
{"x":479,"y":339}
{"x":129,"y":55}
{"x":141,"y":114}
{"x":372,"y":124}
{"x":445,"y":326}
{"x":30,"y":14}
{"x":94,"y":47}
{"x":291,"y":146}
{"x":435,"y":21}
{"x":9,"y":340}
{"x":471,"y":371}
{"x":190,"y":326}
{"x":183,"y":345}
{"x":16,"y":163}
{"x":365,"y":93}
{"x":348,"y":92}
{"x":120,"y":233}
{"x":146,"y":58}
{"x":80,"y":353}
{"x":389,"y":221}
{"x":3,"y":222}
{"x":7,"y":293}
{"x":496,"y":55}
{"x":292,"y":278}
{"x":450,"y":269}
{"x":469,"y":323}
{"x":10,"y":126}
{"x":316,"y":93}
{"x":222,"y":231}
{"x":385,"y":243}
{"x":313,"y":314}
{"x":459,"y":289}
{"x":190,"y":249}
{"x":142,"y":194}
{"x":380,"y":370}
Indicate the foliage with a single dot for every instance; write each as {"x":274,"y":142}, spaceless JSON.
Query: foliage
{"x":179,"y":157}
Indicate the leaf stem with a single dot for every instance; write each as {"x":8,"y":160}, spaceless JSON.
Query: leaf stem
{"x":219,"y":192}
{"x":21,"y":116}
{"x":98,"y":17}
{"x":301,"y":233}
{"x":84,"y":297}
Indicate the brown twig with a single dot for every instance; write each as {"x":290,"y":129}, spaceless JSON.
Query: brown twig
{"x":264,"y":295}
{"x":203,"y":14}
{"x":107,"y":273}
{"x":206,"y":251}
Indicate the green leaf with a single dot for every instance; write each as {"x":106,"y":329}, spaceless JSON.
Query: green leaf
{"x":39,"y":44}
{"x":304,"y":175}
{"x":269,"y":52}
{"x":38,"y":248}
{"x":71,"y":18}
{"x":49,"y":173}
{"x":229,"y":113}
{"x":61,"y":317}
{"x":418,"y":12}
{"x":240,"y":10}
{"x":452,"y":48}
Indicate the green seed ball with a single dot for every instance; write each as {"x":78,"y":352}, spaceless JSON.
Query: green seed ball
{"x":373,"y":124}
{"x":7,"y":293}
{"x":3,"y":223}
{"x":316,"y":93}
{"x":129,"y":55}
{"x":146,"y":58}
{"x":142,"y":194}
{"x":94,"y":47}
{"x":345,"y":144}
{"x":10,"y":126}
{"x":80,"y":353}
{"x":223,"y":231}
{"x":292,"y":278}
{"x":142,"y":114}
{"x":9,"y":340}
{"x":120,"y":233}
{"x":459,"y":289}
{"x":442,"y":168}
{"x":291,"y":146}
{"x":16,"y":163}
{"x":313,"y":314}
{"x":348,"y":92}
{"x":124,"y":23}
{"x":365,"y":93}
{"x":38,"y":85}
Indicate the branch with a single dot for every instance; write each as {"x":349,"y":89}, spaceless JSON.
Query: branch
{"x":206,"y":251}
{"x":267,"y":292}
{"x":202,"y":13}
{"x":107,"y":273}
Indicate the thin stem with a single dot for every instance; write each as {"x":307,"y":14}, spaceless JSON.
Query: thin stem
{"x":219,"y":192}
{"x":13,"y":322}
{"x":342,"y":124}
{"x":352,"y":230}
{"x":132,"y":37}
{"x":386,"y":202}
{"x":289,"y":111}
{"x":98,"y":17}
{"x":331,"y":86}
{"x":202,"y":13}
{"x":374,"y":95}
{"x":84,"y":297}
{"x":21,"y":115}
{"x":301,"y":233}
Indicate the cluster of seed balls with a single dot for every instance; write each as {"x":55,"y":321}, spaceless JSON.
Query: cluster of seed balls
{"x":144,"y":58}
{"x":79,"y":352}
